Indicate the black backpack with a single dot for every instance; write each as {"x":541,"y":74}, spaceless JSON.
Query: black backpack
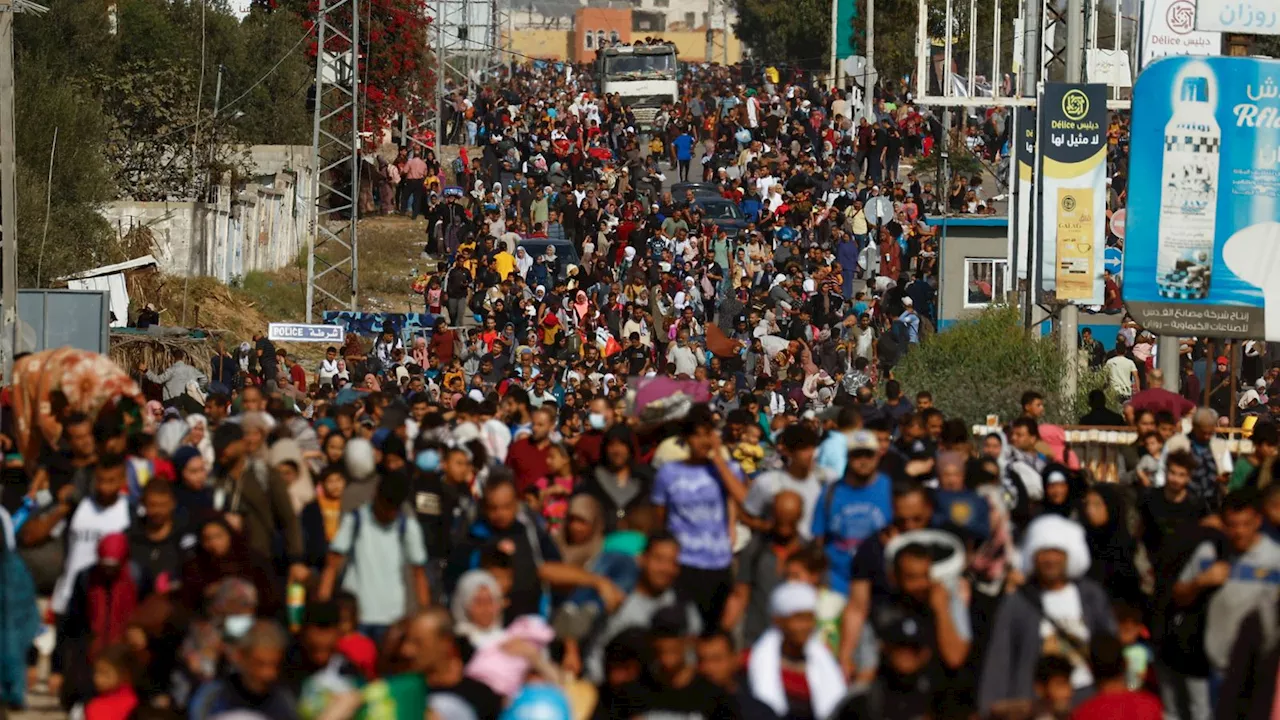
{"x":1182,"y":629}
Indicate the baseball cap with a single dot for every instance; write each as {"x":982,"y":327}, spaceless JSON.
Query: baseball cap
{"x":863,"y":441}
{"x":897,"y":626}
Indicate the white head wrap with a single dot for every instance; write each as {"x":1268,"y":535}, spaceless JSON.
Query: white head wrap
{"x":793,"y":598}
{"x":1054,"y":532}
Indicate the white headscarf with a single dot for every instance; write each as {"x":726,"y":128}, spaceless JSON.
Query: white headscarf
{"x":523,"y":261}
{"x":471,"y":583}
{"x":1054,"y":532}
{"x":205,"y":446}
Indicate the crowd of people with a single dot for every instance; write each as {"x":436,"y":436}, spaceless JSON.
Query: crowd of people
{"x":660,"y":468}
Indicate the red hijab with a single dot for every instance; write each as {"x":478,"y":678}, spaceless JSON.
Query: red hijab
{"x":113,"y":593}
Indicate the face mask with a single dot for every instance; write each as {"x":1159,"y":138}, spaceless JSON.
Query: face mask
{"x":237,"y":626}
{"x":596,"y":420}
{"x":428,"y":460}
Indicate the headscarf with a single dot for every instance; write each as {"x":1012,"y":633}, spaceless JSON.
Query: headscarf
{"x":190,"y":503}
{"x":169,"y":436}
{"x":1111,"y":547}
{"x":205,"y":446}
{"x":470,"y":585}
{"x":1054,"y":532}
{"x":581,"y":306}
{"x":302,"y":490}
{"x":113,"y":595}
{"x":581,"y":554}
{"x":523,"y":262}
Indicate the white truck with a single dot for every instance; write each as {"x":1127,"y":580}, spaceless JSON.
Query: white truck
{"x":643,"y":76}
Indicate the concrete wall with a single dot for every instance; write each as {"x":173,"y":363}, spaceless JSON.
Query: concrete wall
{"x":541,"y":43}
{"x":261,"y":225}
{"x":600,"y":23}
{"x":691,"y":45}
{"x":570,"y":44}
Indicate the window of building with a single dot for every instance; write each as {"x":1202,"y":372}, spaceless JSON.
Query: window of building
{"x":589,"y":40}
{"x":986,"y":281}
{"x":662,"y":3}
{"x":600,"y":39}
{"x":690,"y":19}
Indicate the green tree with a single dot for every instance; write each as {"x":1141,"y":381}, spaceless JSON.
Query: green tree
{"x":795,"y":32}
{"x":897,"y":22}
{"x":49,"y":98}
{"x":982,"y":367}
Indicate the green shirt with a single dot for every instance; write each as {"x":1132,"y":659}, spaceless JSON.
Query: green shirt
{"x":626,"y":542}
{"x":399,"y":697}
{"x":1240,"y":475}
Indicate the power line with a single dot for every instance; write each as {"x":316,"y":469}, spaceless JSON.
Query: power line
{"x":248,"y":90}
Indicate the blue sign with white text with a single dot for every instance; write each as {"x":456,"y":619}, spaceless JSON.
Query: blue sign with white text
{"x":299,"y":332}
{"x":1202,"y":251}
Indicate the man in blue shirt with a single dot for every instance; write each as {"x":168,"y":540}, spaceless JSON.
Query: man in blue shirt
{"x":853,"y":509}
{"x":684,"y":153}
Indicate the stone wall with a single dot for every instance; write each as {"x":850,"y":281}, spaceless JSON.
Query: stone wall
{"x":261,"y":225}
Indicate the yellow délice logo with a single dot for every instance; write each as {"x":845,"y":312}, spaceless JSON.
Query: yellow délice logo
{"x":1075,"y":104}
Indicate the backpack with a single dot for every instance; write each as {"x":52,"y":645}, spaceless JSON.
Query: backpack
{"x":458,"y":167}
{"x":402,"y":524}
{"x":1181,"y":641}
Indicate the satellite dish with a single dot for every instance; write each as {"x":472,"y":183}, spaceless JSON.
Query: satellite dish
{"x":853,"y":65}
{"x":879,"y":209}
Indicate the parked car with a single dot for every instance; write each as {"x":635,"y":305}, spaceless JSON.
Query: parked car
{"x":700,"y":190}
{"x":566,"y":253}
{"x":723,"y":214}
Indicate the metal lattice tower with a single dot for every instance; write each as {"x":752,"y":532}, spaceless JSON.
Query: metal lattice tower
{"x":332,"y":248}
{"x":1053,"y":39}
{"x":470,"y":37}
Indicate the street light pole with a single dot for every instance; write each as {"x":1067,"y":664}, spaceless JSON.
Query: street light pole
{"x":8,"y":198}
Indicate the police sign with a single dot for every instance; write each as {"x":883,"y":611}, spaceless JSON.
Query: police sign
{"x":299,"y":332}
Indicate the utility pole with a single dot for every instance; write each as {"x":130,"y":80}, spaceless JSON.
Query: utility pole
{"x":8,"y":194}
{"x":724,"y":32}
{"x":1068,"y":317}
{"x":711,"y":42}
{"x":835,"y":23}
{"x":8,"y":189}
{"x":868,"y":96}
{"x":1029,"y":82}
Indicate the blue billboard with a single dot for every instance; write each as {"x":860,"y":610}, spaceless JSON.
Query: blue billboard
{"x":1202,"y":252}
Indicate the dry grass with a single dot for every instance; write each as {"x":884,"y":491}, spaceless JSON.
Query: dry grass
{"x":390,"y":256}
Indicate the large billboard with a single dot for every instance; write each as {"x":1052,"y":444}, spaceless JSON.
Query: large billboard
{"x":1169,"y":28}
{"x":1073,"y":195}
{"x":1251,"y":17}
{"x":1203,"y":226}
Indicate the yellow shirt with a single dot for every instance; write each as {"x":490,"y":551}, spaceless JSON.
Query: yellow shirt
{"x":506,"y":264}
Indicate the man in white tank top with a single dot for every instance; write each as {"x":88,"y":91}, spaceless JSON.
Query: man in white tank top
{"x":104,"y":512}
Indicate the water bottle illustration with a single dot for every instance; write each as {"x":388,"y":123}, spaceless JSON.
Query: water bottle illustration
{"x":1192,"y":145}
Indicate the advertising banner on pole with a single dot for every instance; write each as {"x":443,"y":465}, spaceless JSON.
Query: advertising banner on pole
{"x":1250,"y":17}
{"x":1024,"y":156}
{"x":1169,"y":28}
{"x":1202,"y":255}
{"x":1073,"y":182}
